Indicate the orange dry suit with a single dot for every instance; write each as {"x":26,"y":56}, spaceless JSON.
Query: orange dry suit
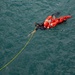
{"x":50,"y":22}
{"x":47,"y":22}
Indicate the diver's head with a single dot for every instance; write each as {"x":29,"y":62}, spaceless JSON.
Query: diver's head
{"x":39,"y":26}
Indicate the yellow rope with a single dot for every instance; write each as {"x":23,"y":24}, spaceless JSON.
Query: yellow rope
{"x":18,"y":52}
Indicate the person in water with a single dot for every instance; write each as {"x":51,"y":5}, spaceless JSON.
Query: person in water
{"x":51,"y":21}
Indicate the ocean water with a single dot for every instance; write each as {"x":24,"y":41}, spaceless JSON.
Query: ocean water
{"x":50,"y":52}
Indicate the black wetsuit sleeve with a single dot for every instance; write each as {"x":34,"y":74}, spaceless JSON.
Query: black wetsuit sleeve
{"x":42,"y":28}
{"x":56,"y":14}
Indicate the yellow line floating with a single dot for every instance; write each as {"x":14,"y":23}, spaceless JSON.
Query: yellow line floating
{"x":32,"y":33}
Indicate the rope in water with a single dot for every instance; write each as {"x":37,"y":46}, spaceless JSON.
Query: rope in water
{"x":18,"y":52}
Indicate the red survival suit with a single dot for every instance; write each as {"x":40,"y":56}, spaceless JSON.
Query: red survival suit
{"x":51,"y":22}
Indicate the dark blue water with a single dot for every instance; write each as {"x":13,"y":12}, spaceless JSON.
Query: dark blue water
{"x":50,"y":52}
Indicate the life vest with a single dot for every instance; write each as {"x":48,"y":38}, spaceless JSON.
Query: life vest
{"x":47,"y":22}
